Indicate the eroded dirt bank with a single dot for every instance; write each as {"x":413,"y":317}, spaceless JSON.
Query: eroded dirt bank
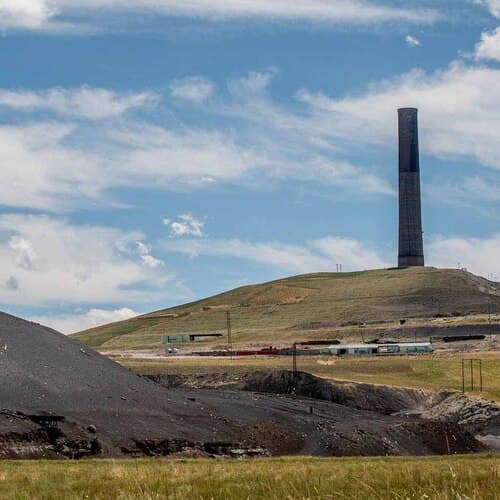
{"x":474,"y":415}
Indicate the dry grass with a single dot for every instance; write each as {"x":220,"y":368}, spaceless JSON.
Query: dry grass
{"x":426,"y":372}
{"x":291,"y":307}
{"x":443,"y":478}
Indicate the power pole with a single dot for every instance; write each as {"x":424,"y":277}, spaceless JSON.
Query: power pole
{"x":463,"y":376}
{"x":360,"y":326}
{"x":229,"y":340}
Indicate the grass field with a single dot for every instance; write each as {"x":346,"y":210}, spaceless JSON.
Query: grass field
{"x":425,"y":372}
{"x":294,"y":307}
{"x":439,"y":478}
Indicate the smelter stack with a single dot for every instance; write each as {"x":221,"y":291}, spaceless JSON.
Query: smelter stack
{"x":411,"y":247}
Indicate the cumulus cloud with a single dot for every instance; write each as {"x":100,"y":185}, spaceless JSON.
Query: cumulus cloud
{"x":36,"y":14}
{"x":146,"y":257}
{"x":411,"y":41}
{"x":57,"y":166}
{"x":25,"y":253}
{"x":185,"y":225}
{"x":478,"y":255}
{"x":253,"y":84}
{"x":459,"y":110}
{"x":196,"y":89}
{"x":84,"y":102}
{"x":317,"y":255}
{"x":26,"y":13}
{"x":75,"y":322}
{"x":489,"y":46}
{"x":254,"y":139}
{"x":40,"y":170}
{"x":52,"y":261}
{"x":492,"y":5}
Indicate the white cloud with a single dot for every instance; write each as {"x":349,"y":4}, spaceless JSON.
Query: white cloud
{"x":253,"y":84}
{"x":62,"y":164}
{"x":25,"y":253}
{"x":39,"y":170}
{"x":36,"y":14}
{"x":84,"y":102}
{"x":146,"y":257}
{"x":185,"y":225}
{"x":489,"y":46}
{"x":459,"y":112}
{"x":154,"y":156}
{"x":25,"y":13}
{"x":151,"y":262}
{"x":316,"y":255}
{"x":75,"y":322}
{"x":142,"y":248}
{"x":492,"y":5}
{"x":342,"y":174}
{"x":52,"y":261}
{"x":56,"y":166}
{"x":412,"y":41}
{"x":466,"y":191}
{"x":196,"y":89}
{"x":293,"y":144}
{"x":255,"y":140}
{"x":478,"y":255}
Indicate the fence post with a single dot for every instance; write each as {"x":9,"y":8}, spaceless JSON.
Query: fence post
{"x":481,"y":374}
{"x":463,"y":376}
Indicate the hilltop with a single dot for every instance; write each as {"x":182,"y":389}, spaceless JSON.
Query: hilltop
{"x":301,"y":305}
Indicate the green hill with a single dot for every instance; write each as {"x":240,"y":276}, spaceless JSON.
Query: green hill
{"x":292,"y":307}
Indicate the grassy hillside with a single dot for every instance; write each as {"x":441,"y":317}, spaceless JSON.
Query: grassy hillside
{"x":279,"y":309}
{"x":440,"y":478}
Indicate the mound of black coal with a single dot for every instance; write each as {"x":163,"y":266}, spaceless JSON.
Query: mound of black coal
{"x":61,"y":399}
{"x":45,"y":373}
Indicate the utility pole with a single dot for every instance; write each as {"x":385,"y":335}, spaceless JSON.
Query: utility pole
{"x":294,"y":366}
{"x":229,"y":340}
{"x":360,"y":326}
{"x":476,"y":365}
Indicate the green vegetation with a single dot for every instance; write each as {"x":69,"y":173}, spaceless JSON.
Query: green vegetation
{"x":311,"y":306}
{"x":98,"y":337}
{"x":439,"y":478}
{"x":423,"y":372}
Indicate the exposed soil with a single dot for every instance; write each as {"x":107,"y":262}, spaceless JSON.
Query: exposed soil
{"x":474,"y":415}
{"x":63,"y":400}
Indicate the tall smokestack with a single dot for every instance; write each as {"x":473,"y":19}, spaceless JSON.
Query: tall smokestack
{"x":411,"y":247}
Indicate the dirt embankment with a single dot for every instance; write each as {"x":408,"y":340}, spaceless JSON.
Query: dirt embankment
{"x":476,"y":415}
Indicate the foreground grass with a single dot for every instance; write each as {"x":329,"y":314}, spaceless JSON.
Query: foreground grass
{"x":424,"y":372}
{"x":440,"y":478}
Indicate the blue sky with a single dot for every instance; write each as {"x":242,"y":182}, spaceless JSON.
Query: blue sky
{"x":158,"y":151}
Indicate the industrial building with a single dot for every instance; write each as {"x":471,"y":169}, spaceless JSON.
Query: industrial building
{"x":378,"y":349}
